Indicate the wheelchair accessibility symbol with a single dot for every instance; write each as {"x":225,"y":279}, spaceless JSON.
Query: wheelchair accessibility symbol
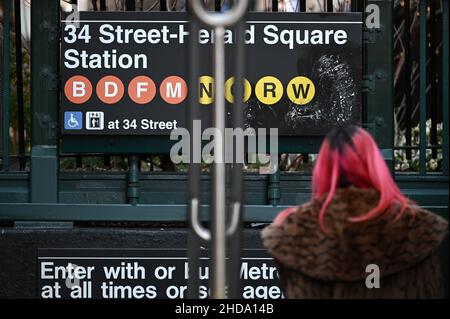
{"x":73,"y":120}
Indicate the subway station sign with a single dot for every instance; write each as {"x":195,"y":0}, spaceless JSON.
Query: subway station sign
{"x":126,"y":73}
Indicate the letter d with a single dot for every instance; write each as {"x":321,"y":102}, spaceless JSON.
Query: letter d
{"x":115,"y":88}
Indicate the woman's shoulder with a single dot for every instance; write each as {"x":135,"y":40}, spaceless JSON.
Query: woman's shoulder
{"x":293,"y":228}
{"x":421,"y":230}
{"x":290,"y":218}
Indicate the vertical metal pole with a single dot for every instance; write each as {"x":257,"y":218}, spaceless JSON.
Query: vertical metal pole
{"x":407,"y":73}
{"x":218,"y":182}
{"x":445,"y":85}
{"x":130,"y":5}
{"x":19,"y":69}
{"x":302,"y":5}
{"x":5,"y":86}
{"x":354,"y":6}
{"x":423,"y":84}
{"x":433,"y":101}
{"x":380,"y":63}
{"x":330,"y":6}
{"x":217,"y":5}
{"x":102,"y":5}
{"x":219,"y":231}
{"x":237,"y":189}
{"x":44,"y":100}
{"x":194,"y":168}
{"x":133,"y":180}
{"x":273,"y":189}
{"x":163,"y":5}
{"x":78,"y":161}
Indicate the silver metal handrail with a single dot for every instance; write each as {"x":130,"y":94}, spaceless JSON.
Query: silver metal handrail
{"x":215,"y":19}
{"x":219,"y":232}
{"x":201,"y":231}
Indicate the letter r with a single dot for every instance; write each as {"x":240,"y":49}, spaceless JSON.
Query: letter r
{"x":270,"y":87}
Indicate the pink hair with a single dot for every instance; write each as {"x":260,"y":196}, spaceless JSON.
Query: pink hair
{"x":353,"y":157}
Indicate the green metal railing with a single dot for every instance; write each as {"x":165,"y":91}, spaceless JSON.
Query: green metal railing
{"x":5,"y":86}
{"x":445,"y":84}
{"x":39,"y":193}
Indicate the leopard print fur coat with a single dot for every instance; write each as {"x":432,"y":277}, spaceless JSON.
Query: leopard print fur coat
{"x":313,"y":264}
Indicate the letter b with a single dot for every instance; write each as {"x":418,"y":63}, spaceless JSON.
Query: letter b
{"x":78,"y":89}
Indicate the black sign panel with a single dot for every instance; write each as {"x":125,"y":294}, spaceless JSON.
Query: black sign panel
{"x":142,"y":274}
{"x":127,"y":73}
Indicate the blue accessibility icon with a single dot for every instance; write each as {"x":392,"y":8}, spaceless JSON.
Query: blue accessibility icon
{"x":73,"y":120}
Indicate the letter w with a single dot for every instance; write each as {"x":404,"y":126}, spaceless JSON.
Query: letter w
{"x":300,"y":90}
{"x":111,"y":272}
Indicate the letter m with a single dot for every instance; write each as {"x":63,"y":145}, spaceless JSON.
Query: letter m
{"x":173,"y":91}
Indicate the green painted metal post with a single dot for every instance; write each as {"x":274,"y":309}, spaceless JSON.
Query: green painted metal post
{"x":133,"y":180}
{"x":273,"y":189}
{"x":379,"y":68}
{"x":44,"y":101}
{"x":5,"y":85}
{"x":445,"y":84}
{"x":423,"y":85}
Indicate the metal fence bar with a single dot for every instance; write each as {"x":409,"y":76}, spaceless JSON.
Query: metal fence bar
{"x":302,"y":5}
{"x":79,"y":161}
{"x":19,"y":69}
{"x":44,"y":100}
{"x":423,"y":84}
{"x":5,"y":86}
{"x":140,"y":213}
{"x":133,"y":186}
{"x":237,"y":189}
{"x":102,"y":5}
{"x":329,"y":6}
{"x":379,"y":65}
{"x":130,"y":5}
{"x":194,"y":184}
{"x":432,"y":101}
{"x":133,"y":180}
{"x":218,"y":200}
{"x":163,"y":5}
{"x":445,"y":85}
{"x":407,"y":75}
{"x":273,"y":187}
